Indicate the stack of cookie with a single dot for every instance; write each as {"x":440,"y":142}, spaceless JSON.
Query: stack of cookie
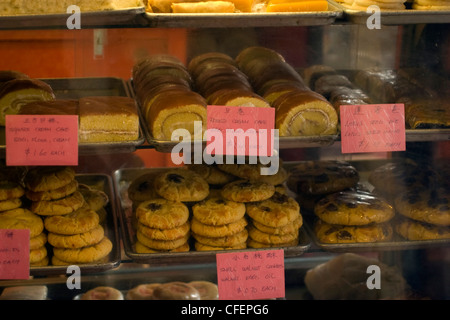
{"x":219,"y":224}
{"x":73,"y":227}
{"x":353,"y":216}
{"x":162,"y":226}
{"x":14,"y":215}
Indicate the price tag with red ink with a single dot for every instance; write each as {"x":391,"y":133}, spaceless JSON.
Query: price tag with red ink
{"x":240,"y":131}
{"x":372,"y":128}
{"x":251,"y":275}
{"x":14,"y":254}
{"x":39,"y":140}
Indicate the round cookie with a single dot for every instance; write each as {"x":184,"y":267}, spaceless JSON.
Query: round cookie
{"x":207,"y":289}
{"x":22,"y":218}
{"x":61,"y":206}
{"x":218,"y":211}
{"x":54,"y":194}
{"x":430,"y":206}
{"x":291,"y":227}
{"x":48,"y":178}
{"x":38,"y":254}
{"x":38,"y":241}
{"x":175,"y":290}
{"x":204,"y":247}
{"x":10,"y":190}
{"x":218,"y":230}
{"x":271,"y":239}
{"x":247,"y":191}
{"x":322,"y":177}
{"x":162,"y":213}
{"x":86,"y":254}
{"x":102,"y":293}
{"x":74,"y":241}
{"x":142,"y":188}
{"x":164,"y":234}
{"x":58,"y":262}
{"x":212,"y":174}
{"x":251,"y":243}
{"x":161,"y":244}
{"x":353,"y":208}
{"x":252,"y":172}
{"x":141,"y":248}
{"x":181,"y":185}
{"x":227,"y":241}
{"x":10,"y":204}
{"x":415,"y":230}
{"x":94,"y":198}
{"x":41,"y":263}
{"x":79,"y":221}
{"x":277,"y":211}
{"x":327,"y":233}
{"x":142,"y":292}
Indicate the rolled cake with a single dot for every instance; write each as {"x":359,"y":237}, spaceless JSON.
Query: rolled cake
{"x":7,"y":75}
{"x":177,"y":110}
{"x":253,"y":53}
{"x":304,"y":113}
{"x":17,"y":92}
{"x":207,"y":57}
{"x":61,"y":107}
{"x":107,"y":119}
{"x":237,"y":98}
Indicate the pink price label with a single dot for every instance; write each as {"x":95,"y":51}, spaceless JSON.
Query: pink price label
{"x":372,"y":128}
{"x":240,"y":131}
{"x":41,"y":140}
{"x":14,"y":254}
{"x":250,"y":275}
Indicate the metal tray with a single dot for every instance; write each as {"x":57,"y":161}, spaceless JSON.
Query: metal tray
{"x":75,"y":88}
{"x":111,"y":231}
{"x":122,"y":179}
{"x":130,"y":17}
{"x":238,"y":20}
{"x":395,"y":17}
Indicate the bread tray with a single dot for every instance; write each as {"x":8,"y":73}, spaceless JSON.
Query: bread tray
{"x":122,"y":179}
{"x":104,"y":182}
{"x":75,"y":88}
{"x":395,"y":17}
{"x":238,"y":20}
{"x":397,"y":243}
{"x":109,"y":18}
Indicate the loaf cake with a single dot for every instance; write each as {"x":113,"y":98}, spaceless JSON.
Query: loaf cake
{"x":108,"y":119}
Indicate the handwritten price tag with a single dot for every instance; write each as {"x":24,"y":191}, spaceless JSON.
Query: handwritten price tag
{"x":241,"y":131}
{"x":250,"y":275}
{"x":372,"y":128}
{"x":14,"y":254}
{"x":36,"y":140}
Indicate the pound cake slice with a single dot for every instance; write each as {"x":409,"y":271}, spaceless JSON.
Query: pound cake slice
{"x":107,"y":119}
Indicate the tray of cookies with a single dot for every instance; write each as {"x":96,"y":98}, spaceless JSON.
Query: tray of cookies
{"x":71,"y":217}
{"x":188,"y":214}
{"x":372,"y":206}
{"x":109,"y":120}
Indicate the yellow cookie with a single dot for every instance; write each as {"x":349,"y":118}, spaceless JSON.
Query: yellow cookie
{"x":164,"y":234}
{"x":204,"y":247}
{"x":80,"y":221}
{"x":61,"y":206}
{"x":218,"y":230}
{"x":54,"y":194}
{"x":162,"y":213}
{"x":38,"y":241}
{"x":218,"y":211}
{"x":161,"y":244}
{"x":247,"y":191}
{"x":95,"y":199}
{"x":415,"y":230}
{"x":38,"y":254}
{"x":22,"y":218}
{"x":80,"y":240}
{"x":251,"y":243}
{"x":142,"y":188}
{"x":41,"y":263}
{"x":10,"y":204}
{"x":277,"y":211}
{"x":226,"y":241}
{"x":86,"y":254}
{"x":10,"y":190}
{"x":48,"y":178}
{"x":212,"y":174}
{"x":141,"y":248}
{"x":291,"y":227}
{"x":268,"y":238}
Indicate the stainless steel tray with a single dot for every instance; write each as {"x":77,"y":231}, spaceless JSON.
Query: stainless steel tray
{"x":397,"y":243}
{"x":75,"y":88}
{"x":230,"y":20}
{"x":131,"y":17}
{"x":395,"y":17}
{"x":111,"y":231}
{"x":122,"y":179}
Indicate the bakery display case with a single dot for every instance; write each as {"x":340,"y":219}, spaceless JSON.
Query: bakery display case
{"x":134,"y":76}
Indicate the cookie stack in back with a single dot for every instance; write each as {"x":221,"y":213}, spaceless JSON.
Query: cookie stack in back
{"x":73,"y":228}
{"x":14,"y":215}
